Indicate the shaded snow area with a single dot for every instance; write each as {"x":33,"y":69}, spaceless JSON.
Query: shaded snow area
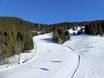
{"x":80,"y":57}
{"x":13,"y":61}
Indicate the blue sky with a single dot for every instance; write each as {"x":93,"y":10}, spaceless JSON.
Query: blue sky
{"x":53,"y":11}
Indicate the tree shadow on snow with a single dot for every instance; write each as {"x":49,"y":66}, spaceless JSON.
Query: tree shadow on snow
{"x":56,"y":61}
{"x":49,"y":40}
{"x":42,"y":68}
{"x":45,"y":69}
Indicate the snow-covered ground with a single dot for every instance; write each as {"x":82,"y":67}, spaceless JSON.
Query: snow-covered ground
{"x":80,"y":57}
{"x":51,"y":61}
{"x":24,"y":57}
{"x":91,"y":52}
{"x":13,"y":61}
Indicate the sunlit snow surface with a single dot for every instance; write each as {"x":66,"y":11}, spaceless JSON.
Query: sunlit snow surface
{"x":80,"y":57}
{"x":51,"y":61}
{"x":91,"y":51}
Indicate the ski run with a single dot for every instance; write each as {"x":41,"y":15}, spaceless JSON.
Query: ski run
{"x":80,"y":57}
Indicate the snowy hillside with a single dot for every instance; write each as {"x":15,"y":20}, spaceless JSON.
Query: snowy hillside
{"x":81,"y":57}
{"x":91,"y":52}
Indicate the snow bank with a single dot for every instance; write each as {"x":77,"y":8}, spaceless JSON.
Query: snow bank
{"x":24,"y":57}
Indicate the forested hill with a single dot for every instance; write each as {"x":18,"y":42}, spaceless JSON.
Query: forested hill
{"x":18,"y":22}
{"x":15,"y":37}
{"x":16,"y":34}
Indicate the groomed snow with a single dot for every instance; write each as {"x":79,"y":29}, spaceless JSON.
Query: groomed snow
{"x":91,"y":51}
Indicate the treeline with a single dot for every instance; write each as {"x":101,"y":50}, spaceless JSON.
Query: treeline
{"x":95,"y":28}
{"x":15,"y":38}
{"x":60,"y":30}
{"x":37,"y":28}
{"x":18,"y":22}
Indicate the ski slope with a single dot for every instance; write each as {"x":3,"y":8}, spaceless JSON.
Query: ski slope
{"x":80,"y":57}
{"x":91,"y":51}
{"x":51,"y":61}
